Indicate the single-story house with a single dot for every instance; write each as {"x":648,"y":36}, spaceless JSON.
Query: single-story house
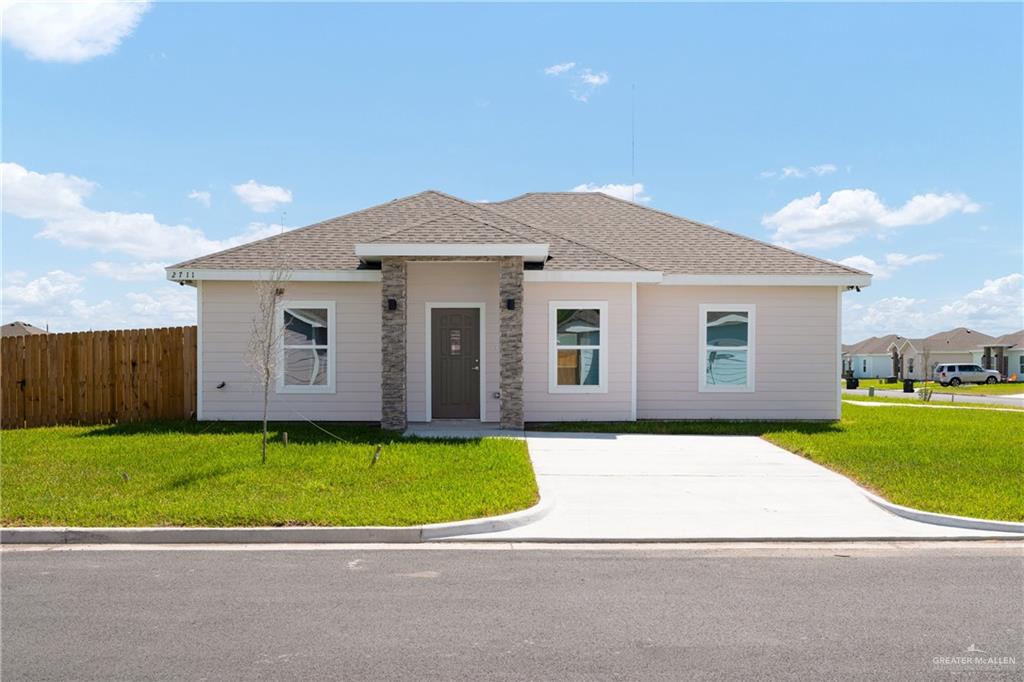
{"x":917,"y":358}
{"x":1005,"y":354}
{"x":870,"y":358}
{"x":18,"y":328}
{"x":545,"y":307}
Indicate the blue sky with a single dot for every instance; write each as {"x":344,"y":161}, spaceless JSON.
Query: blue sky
{"x":889,"y":137}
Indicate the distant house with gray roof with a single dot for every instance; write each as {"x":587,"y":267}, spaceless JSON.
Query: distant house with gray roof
{"x":871,"y":358}
{"x":917,"y":358}
{"x":18,"y":328}
{"x":1005,"y":354}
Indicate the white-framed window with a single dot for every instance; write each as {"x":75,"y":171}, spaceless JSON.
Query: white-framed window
{"x":726,"y":347}
{"x":306,"y":355}
{"x":578,"y":342}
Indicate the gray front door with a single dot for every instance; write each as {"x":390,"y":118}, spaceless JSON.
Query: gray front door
{"x":455,"y":363}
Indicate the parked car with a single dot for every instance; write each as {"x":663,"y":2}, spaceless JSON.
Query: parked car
{"x":954,"y":375}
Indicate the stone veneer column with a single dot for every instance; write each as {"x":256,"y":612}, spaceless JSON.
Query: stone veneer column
{"x":511,"y":341}
{"x":392,"y":344}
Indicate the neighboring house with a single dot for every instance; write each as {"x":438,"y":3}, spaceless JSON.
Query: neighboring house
{"x":545,"y":307}
{"x":871,"y":358}
{"x":917,"y":358}
{"x":20,"y":329}
{"x":1005,"y":354}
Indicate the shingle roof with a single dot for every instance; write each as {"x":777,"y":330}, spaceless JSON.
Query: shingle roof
{"x":954,"y":340}
{"x":876,"y":345}
{"x":18,"y":328}
{"x":586,"y":231}
{"x":454,"y":228}
{"x":1013,"y":339}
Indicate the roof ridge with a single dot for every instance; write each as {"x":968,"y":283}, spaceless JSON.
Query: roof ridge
{"x":451,"y":213}
{"x":553,"y":234}
{"x":299,"y":229}
{"x":728,"y":232}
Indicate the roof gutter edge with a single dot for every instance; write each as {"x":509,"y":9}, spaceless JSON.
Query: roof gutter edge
{"x":849,"y":280}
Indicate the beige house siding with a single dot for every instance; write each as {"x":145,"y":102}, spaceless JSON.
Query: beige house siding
{"x":796,"y":359}
{"x":796,"y":353}
{"x":541,"y":405}
{"x":450,"y":282}
{"x":227,"y":310}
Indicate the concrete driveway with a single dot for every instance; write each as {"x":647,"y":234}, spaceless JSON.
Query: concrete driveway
{"x":640,"y":487}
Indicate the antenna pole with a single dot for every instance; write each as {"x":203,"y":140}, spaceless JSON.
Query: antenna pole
{"x":632,"y":143}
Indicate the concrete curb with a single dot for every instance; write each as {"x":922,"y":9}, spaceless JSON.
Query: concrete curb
{"x":488,"y":524}
{"x":944,"y":519}
{"x":831,"y":539}
{"x":272,"y":535}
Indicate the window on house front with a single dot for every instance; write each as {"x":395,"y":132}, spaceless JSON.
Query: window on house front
{"x":910,"y":365}
{"x":579,"y":356}
{"x":726,"y":347}
{"x":306,"y":359}
{"x":864,"y":366}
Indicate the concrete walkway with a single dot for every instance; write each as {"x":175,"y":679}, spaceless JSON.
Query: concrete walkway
{"x":638,"y":487}
{"x":982,"y":408}
{"x":1012,"y":400}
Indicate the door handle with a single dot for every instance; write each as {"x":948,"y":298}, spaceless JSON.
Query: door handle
{"x":476,"y":368}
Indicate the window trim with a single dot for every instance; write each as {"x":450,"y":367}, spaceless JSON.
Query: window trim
{"x":332,"y":358}
{"x":602,"y":347}
{"x":751,"y":310}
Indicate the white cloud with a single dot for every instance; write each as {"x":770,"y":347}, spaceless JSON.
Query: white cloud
{"x":201,"y":197}
{"x":634,"y":192}
{"x":56,"y":285}
{"x":262,"y":198}
{"x":41,"y":196}
{"x":594,"y":79}
{"x":582,"y":82}
{"x":58,"y":201}
{"x":69,"y":31}
{"x":169,"y":305}
{"x":559,"y":69}
{"x":998,"y":304}
{"x":997,"y":307}
{"x":851,"y":213}
{"x":128,"y":272}
{"x":56,"y":300}
{"x":796,"y":172}
{"x":893,"y":262}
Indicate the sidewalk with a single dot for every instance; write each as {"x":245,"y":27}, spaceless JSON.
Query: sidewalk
{"x":1012,"y":400}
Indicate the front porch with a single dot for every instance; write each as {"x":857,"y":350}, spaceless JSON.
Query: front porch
{"x":451,"y":340}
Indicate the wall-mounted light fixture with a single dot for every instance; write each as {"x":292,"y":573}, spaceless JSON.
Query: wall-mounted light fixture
{"x":392,"y":304}
{"x":510,"y":303}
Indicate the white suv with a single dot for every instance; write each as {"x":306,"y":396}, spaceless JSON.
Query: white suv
{"x":954,"y":375}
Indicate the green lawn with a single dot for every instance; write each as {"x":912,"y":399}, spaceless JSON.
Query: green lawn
{"x":965,"y":389}
{"x":965,"y":462}
{"x":209,"y":474}
{"x":937,"y":399}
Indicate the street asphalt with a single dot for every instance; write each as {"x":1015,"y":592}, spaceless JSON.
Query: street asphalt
{"x":814,"y":612}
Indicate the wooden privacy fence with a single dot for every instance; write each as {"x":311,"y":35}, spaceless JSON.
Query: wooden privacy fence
{"x":97,"y":377}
